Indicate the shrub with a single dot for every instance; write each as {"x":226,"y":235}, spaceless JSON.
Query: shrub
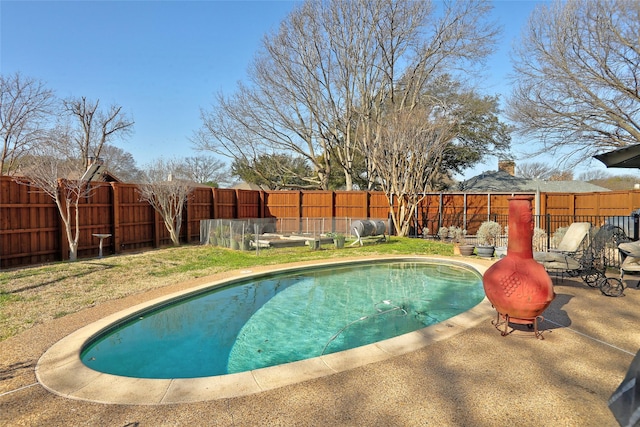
{"x":488,"y":233}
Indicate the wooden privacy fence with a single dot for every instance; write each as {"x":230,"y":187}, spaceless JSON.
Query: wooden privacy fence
{"x":31,"y":231}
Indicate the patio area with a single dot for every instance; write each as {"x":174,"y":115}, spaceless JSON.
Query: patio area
{"x":474,"y":378}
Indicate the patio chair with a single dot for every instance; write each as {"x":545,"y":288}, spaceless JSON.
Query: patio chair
{"x":591,"y":264}
{"x":630,"y":258}
{"x":565,"y":257}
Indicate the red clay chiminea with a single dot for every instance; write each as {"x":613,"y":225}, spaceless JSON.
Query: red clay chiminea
{"x":517,"y":286}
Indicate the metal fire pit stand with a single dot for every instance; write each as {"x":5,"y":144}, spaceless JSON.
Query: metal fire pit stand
{"x":503,"y":320}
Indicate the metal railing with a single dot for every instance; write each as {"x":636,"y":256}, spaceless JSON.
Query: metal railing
{"x":549,"y":223}
{"x":549,"y":229}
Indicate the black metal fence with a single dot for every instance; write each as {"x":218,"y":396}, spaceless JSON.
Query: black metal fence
{"x":551,"y":223}
{"x":549,"y":229}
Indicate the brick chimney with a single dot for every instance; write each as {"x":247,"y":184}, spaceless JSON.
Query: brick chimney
{"x":509,"y":166}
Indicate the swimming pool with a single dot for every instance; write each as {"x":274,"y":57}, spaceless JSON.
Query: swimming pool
{"x":285,"y":317}
{"x":61,"y":371}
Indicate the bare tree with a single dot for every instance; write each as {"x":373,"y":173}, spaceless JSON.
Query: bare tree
{"x":594,"y":175}
{"x":204,"y":170}
{"x":408,"y":154}
{"x":577,"y":79}
{"x":95,"y":127}
{"x":458,"y":37}
{"x":562,"y":175}
{"x":612,"y":182}
{"x":120,"y":163}
{"x":322,"y":84}
{"x":58,"y":164}
{"x":536,"y":170}
{"x":25,"y":107}
{"x":166,"y":194}
{"x":49,"y":171}
{"x":259,"y":121}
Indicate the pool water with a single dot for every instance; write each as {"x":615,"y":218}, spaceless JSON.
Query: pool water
{"x":284,"y":317}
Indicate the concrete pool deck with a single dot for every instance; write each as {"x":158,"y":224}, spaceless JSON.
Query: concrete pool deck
{"x":474,"y":377}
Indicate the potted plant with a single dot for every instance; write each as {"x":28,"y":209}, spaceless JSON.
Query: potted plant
{"x":487,"y":236}
{"x":314,"y":244}
{"x":246,"y":242}
{"x":217,"y":237}
{"x":338,"y":240}
{"x":501,"y":251}
{"x":226,"y":236}
{"x":425,"y":233}
{"x":461,"y":247}
{"x":235,"y":244}
{"x":539,"y":239}
{"x":443,"y":233}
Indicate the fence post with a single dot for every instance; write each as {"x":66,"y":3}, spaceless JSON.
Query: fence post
{"x":212,"y":213}
{"x":299,"y":213}
{"x":235,"y":203}
{"x":464,"y":211}
{"x":366,"y":206}
{"x":415,"y":223}
{"x":439,"y":213}
{"x":216,"y":209}
{"x":115,"y":213}
{"x":548,"y":221}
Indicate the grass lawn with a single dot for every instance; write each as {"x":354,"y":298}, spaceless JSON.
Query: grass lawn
{"x":33,"y":295}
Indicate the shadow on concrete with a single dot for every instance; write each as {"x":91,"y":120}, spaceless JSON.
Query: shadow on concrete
{"x":8,"y":372}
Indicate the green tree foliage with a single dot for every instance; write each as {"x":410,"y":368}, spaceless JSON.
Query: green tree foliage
{"x":267,"y":171}
{"x":477,"y":129}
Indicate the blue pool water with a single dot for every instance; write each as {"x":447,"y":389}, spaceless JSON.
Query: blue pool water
{"x":284,"y":317}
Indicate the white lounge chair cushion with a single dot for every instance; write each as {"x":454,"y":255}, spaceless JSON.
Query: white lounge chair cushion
{"x":630,"y":263}
{"x":562,"y":257}
{"x":556,"y":261}
{"x":574,"y":236}
{"x":630,"y":248}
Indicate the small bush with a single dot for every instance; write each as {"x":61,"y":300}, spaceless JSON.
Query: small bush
{"x":488,"y":233}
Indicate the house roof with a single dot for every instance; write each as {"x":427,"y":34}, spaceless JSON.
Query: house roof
{"x":247,"y":186}
{"x":501,"y":181}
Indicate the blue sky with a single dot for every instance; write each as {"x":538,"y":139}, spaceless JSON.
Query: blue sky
{"x":164,"y":60}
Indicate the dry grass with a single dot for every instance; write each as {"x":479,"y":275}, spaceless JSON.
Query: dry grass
{"x":34,"y":295}
{"x":29,"y":296}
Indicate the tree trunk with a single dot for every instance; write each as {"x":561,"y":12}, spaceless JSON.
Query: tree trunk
{"x":73,"y":251}
{"x":348,"y":181}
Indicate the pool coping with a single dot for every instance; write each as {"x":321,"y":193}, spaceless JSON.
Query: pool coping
{"x":61,"y":371}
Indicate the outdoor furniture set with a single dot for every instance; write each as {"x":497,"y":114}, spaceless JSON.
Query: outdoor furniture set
{"x":585,"y":252}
